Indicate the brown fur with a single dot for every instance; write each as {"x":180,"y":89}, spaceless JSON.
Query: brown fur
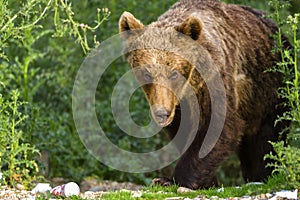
{"x":233,"y":40}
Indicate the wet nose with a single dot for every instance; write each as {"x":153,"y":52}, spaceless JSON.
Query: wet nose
{"x":162,"y":115}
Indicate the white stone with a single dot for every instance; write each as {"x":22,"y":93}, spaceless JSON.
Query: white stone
{"x":183,"y":190}
{"x":174,"y":198}
{"x":41,"y":187}
{"x":136,"y":194}
{"x":286,"y":194}
{"x":268,"y":195}
{"x":20,"y":186}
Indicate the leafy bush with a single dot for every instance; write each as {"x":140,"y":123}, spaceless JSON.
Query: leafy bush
{"x":287,"y":157}
{"x":287,"y":163}
{"x":37,"y":55}
{"x":15,"y":153}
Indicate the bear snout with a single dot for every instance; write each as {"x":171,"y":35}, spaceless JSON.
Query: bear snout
{"x":161,"y":116}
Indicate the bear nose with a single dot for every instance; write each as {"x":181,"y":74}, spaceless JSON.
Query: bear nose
{"x":162,"y":115}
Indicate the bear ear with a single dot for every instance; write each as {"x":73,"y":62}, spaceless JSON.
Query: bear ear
{"x":129,"y":22}
{"x":191,"y":27}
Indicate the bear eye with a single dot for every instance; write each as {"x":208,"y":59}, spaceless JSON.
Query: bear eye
{"x":173,"y":76}
{"x":147,"y":76}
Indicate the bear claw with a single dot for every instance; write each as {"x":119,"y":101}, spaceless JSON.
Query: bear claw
{"x":162,"y":181}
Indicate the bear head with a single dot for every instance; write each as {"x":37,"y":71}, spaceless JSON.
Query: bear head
{"x":162,"y":64}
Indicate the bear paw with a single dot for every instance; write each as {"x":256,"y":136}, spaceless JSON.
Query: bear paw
{"x":162,"y":181}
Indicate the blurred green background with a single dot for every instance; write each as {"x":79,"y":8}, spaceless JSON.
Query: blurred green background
{"x":52,"y":66}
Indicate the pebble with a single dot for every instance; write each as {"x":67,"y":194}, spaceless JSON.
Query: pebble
{"x":161,"y":192}
{"x":200,"y":197}
{"x":89,"y":193}
{"x":247,"y":198}
{"x":20,"y":186}
{"x":287,"y":194}
{"x":125,"y":190}
{"x":174,"y":198}
{"x":137,"y":194}
{"x":92,"y":195}
{"x":183,"y":190}
{"x":268,"y":195}
{"x":263,"y":196}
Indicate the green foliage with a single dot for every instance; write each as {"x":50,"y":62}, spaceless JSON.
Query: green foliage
{"x":286,"y":160}
{"x":66,"y":25}
{"x":36,"y":41}
{"x":15,"y":153}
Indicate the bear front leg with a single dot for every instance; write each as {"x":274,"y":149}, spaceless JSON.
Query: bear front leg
{"x":255,"y":146}
{"x":186,"y":177}
{"x":194,"y":172}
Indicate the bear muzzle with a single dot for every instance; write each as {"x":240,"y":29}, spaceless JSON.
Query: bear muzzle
{"x":162,"y":116}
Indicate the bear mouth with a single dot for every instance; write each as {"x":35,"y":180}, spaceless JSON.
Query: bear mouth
{"x":165,"y":123}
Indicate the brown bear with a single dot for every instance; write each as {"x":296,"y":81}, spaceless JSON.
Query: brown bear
{"x":234,"y":41}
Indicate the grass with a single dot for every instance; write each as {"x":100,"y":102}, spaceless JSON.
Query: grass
{"x":275,"y":183}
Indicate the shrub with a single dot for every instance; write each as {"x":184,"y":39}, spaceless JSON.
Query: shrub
{"x":15,"y":153}
{"x":287,"y":160}
{"x":36,"y":49}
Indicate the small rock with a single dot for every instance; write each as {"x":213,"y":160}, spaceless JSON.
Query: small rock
{"x":174,"y":198}
{"x":214,"y":198}
{"x":288,"y":194}
{"x":41,"y":187}
{"x":246,"y":198}
{"x":89,"y":193}
{"x":263,"y":196}
{"x":183,"y":190}
{"x":20,"y":186}
{"x":136,"y":194}
{"x":125,"y":190}
{"x":28,"y":198}
{"x":161,"y":192}
{"x":268,"y":195}
{"x":200,"y":197}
